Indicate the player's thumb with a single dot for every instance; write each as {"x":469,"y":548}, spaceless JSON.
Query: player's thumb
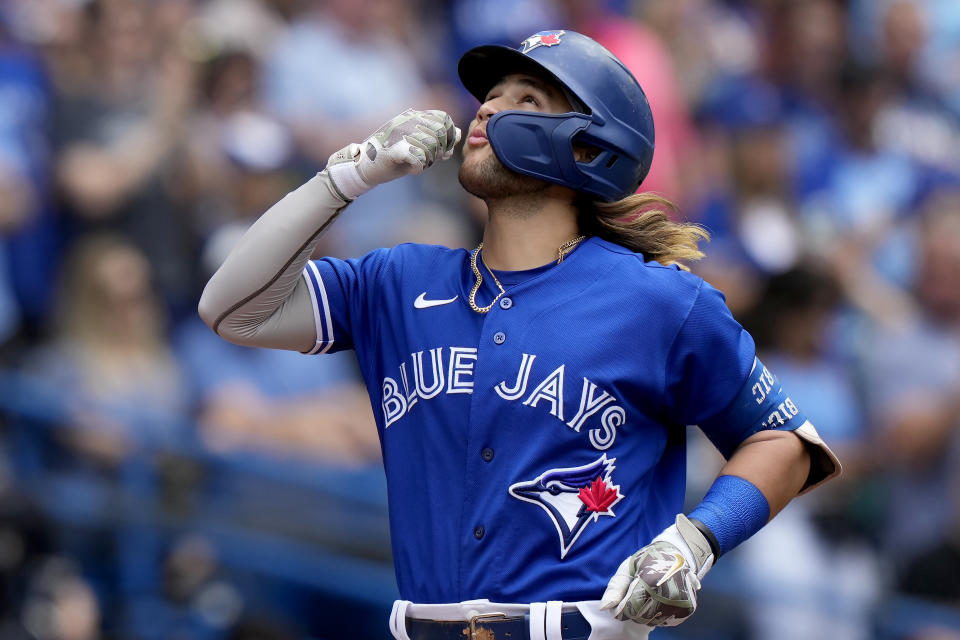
{"x":448,"y":152}
{"x":617,"y":587}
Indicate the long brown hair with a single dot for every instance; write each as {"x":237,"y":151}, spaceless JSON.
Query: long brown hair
{"x":640,"y":222}
{"x":86,"y":312}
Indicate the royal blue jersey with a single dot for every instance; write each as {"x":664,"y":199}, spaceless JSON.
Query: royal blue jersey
{"x":529,"y":450}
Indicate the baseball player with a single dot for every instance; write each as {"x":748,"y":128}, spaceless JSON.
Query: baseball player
{"x":532,"y":394}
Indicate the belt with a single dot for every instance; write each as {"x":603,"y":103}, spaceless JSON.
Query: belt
{"x":493,"y":626}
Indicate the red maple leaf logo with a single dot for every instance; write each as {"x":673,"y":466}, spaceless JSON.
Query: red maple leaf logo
{"x":598,"y":496}
{"x":550,"y":39}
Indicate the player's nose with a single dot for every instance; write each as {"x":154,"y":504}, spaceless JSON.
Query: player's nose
{"x":486,"y":110}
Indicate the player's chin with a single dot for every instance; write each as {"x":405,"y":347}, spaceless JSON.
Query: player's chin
{"x":484,"y":176}
{"x":471,"y":174}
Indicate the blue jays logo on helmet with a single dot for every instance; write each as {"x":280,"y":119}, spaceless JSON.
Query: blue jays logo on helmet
{"x":573,"y":497}
{"x":541,"y":39}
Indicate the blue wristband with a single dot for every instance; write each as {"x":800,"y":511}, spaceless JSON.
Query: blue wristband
{"x":733,"y":510}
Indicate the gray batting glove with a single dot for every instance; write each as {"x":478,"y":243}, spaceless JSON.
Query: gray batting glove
{"x":657,"y":586}
{"x":407,"y":144}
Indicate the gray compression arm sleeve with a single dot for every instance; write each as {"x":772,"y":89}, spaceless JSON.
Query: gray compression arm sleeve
{"x":258,"y":297}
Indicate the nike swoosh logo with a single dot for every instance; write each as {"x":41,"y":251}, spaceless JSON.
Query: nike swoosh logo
{"x":668,"y":574}
{"x":422,"y":303}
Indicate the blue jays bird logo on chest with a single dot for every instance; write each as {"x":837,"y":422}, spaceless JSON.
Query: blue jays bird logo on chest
{"x":573,"y":497}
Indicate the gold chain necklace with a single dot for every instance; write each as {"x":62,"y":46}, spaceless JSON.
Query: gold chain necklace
{"x":562,"y":252}
{"x":567,"y":247}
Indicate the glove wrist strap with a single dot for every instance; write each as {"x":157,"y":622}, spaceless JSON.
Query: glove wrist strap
{"x":692,"y":544}
{"x":345,"y":175}
{"x":712,"y":539}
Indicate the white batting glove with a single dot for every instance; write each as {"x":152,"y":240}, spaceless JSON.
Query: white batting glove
{"x":657,"y":586}
{"x":407,"y":144}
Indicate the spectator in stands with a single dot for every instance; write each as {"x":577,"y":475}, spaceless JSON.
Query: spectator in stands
{"x":925,"y":429}
{"x":793,"y":322}
{"x":805,"y":50}
{"x":869,"y":191}
{"x":109,"y":357}
{"x":917,"y":121}
{"x":918,"y":38}
{"x":912,"y":372}
{"x":749,"y":208}
{"x":118,"y":131}
{"x":238,"y":156}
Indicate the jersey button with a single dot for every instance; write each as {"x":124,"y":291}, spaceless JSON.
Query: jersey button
{"x":506,"y":303}
{"x":478,"y":532}
{"x":487,"y":454}
{"x":499,"y":337}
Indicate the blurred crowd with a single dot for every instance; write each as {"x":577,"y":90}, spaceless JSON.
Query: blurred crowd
{"x":817,"y":140}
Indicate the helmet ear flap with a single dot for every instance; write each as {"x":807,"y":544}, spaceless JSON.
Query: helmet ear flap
{"x":607,"y":166}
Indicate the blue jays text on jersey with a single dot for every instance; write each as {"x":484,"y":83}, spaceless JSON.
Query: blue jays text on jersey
{"x":457,"y":377}
{"x":530,"y":449}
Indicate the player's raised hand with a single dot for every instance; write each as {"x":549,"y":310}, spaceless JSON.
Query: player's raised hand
{"x":657,"y":586}
{"x":407,"y":144}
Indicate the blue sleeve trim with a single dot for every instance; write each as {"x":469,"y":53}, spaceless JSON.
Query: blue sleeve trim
{"x":760,"y":404}
{"x":321,"y":310}
{"x":733,"y":509}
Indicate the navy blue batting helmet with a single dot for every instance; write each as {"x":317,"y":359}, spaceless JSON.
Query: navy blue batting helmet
{"x":614,"y":114}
